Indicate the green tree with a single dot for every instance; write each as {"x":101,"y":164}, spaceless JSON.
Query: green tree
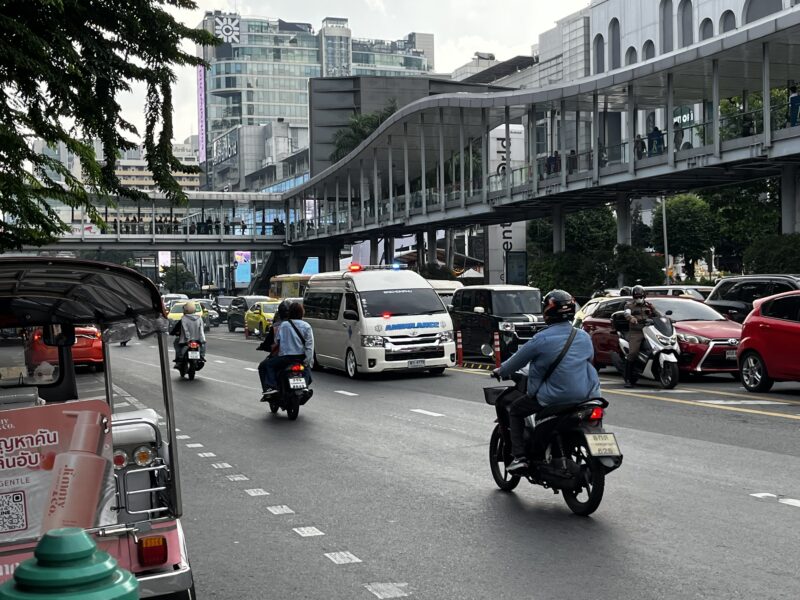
{"x":360,"y":127}
{"x":63,"y":65}
{"x":691,"y":229}
{"x":176,"y":278}
{"x":774,"y":254}
{"x":745,"y":213}
{"x":641,"y":232}
{"x":637,"y":266}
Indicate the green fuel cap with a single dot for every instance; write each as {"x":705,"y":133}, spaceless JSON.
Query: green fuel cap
{"x":67,"y":565}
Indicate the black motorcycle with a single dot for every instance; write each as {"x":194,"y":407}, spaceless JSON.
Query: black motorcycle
{"x":293,"y":391}
{"x":570,"y":452}
{"x":191,"y":359}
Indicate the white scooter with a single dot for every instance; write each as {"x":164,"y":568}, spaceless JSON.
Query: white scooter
{"x":658,"y":354}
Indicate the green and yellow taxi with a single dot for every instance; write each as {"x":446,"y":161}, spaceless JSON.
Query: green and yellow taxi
{"x":176,"y":312}
{"x":258,"y":318}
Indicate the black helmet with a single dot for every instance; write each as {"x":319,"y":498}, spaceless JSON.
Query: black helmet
{"x":559,"y":306}
{"x":638,"y":292}
{"x":283,"y":310}
{"x":625,"y":291}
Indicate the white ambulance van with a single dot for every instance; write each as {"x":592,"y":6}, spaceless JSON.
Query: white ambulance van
{"x":375,"y":319}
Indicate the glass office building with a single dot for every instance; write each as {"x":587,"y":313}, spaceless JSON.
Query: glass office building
{"x":260,"y":71}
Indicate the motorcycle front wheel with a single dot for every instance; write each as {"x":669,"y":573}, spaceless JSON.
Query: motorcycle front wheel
{"x":669,"y":375}
{"x":586,"y":499}
{"x":499,"y":458}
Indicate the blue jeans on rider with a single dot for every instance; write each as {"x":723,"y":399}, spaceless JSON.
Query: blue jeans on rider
{"x":268,"y":369}
{"x":181,"y":348}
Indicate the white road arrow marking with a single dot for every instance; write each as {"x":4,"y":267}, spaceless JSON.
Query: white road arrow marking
{"x":426,"y":412}
{"x":387,"y":590}
{"x":789,"y":501}
{"x":257,"y":492}
{"x":763,"y":495}
{"x":343,"y":558}
{"x":307,"y":531}
{"x":280,"y":510}
{"x":344,"y":393}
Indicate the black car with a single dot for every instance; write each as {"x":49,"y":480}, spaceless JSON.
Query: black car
{"x":213,"y":313}
{"x":221,"y":304}
{"x":734,"y":296}
{"x":239,"y":306}
{"x":515,"y":311}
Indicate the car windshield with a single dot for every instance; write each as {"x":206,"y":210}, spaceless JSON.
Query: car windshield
{"x":413,"y":301}
{"x":224,"y":300}
{"x":270,"y":307}
{"x":686,"y":310}
{"x":517,"y":302}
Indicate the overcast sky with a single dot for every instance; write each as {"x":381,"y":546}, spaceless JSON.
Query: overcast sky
{"x":506,"y":28}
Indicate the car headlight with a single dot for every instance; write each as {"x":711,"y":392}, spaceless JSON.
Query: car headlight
{"x":693,"y":339}
{"x":372,"y":341}
{"x":506,"y":326}
{"x":446,"y":336}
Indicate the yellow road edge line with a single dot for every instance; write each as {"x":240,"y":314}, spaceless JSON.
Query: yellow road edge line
{"x":751,"y":411}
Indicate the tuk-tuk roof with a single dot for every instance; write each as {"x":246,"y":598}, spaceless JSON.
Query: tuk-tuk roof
{"x":38,"y":290}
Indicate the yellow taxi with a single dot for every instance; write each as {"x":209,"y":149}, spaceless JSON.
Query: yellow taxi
{"x":258,"y":318}
{"x":176,"y":312}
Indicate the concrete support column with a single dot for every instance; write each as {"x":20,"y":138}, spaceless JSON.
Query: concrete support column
{"x":376,"y":187}
{"x":373,"y":250}
{"x":422,"y":164}
{"x":766,"y":95}
{"x":562,"y":142}
{"x":349,"y":202}
{"x":406,"y":184}
{"x":623,"y":220}
{"x":431,"y":253}
{"x":440,"y":185}
{"x":790,"y":200}
{"x":388,"y":249}
{"x":363,"y":190}
{"x":715,"y":107}
{"x":484,"y":156}
{"x":670,"y":141}
{"x":391,"y":181}
{"x":461,"y":158}
{"x":559,"y":230}
{"x":507,"y":172}
{"x":449,"y":252}
{"x":420,"y":244}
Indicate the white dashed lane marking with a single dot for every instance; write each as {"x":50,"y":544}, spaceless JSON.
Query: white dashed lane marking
{"x":426,"y":412}
{"x":251,"y":369}
{"x":307,"y":531}
{"x":388,"y":590}
{"x":740,"y":402}
{"x":194,"y":445}
{"x":780,"y":499}
{"x":221,"y":466}
{"x":206,"y":455}
{"x":220,"y":362}
{"x":257,"y":492}
{"x":280,"y":510}
{"x":182,"y":437}
{"x":344,"y":393}
{"x":343,"y":558}
{"x":238,"y":478}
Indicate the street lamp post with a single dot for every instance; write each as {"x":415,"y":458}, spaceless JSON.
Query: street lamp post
{"x":666,"y":249}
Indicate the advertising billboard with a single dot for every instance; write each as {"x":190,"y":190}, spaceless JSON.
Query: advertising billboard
{"x":201,"y":113}
{"x":242,"y":275}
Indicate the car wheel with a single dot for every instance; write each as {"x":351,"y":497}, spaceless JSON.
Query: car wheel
{"x":350,"y":364}
{"x":754,"y":373}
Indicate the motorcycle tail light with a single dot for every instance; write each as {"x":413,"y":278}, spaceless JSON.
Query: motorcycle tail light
{"x":597,"y":414}
{"x":152,"y":551}
{"x":194,"y":345}
{"x":297,"y":368}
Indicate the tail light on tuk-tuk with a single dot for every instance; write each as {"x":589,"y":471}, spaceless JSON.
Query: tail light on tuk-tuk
{"x":152,"y":550}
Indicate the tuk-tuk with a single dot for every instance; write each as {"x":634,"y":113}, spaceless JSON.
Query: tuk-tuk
{"x":75,"y":449}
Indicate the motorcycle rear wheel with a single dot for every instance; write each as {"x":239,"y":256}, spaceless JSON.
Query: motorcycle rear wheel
{"x":586,"y":500}
{"x":293,"y":411}
{"x":191,"y":374}
{"x":273,"y":407}
{"x":499,"y":460}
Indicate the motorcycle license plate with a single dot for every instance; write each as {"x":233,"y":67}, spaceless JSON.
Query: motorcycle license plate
{"x":194,"y":355}
{"x":416,"y":364}
{"x":602,"y":444}
{"x":730,"y":354}
{"x":297,"y":383}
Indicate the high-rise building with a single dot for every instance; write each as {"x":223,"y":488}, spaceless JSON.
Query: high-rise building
{"x":259,"y":73}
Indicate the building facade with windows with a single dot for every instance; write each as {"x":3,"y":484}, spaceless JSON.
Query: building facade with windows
{"x":259,"y":73}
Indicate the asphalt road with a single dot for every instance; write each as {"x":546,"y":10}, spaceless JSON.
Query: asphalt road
{"x":706,"y":504}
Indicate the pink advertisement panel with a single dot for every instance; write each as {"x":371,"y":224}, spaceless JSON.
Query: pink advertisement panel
{"x":55,"y":469}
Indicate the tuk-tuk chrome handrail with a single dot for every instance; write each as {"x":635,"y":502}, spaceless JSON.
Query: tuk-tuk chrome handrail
{"x":166,"y":386}
{"x":152,"y":490}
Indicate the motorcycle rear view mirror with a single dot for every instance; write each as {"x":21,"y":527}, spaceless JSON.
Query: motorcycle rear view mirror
{"x":668,"y":313}
{"x":487,"y":350}
{"x":58,"y":335}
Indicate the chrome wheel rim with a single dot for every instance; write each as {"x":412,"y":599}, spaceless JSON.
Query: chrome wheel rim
{"x":351,"y":363}
{"x":751,"y":372}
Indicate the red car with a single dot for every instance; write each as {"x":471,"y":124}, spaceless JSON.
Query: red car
{"x":770,"y":341}
{"x":708,"y":341}
{"x":87,"y":351}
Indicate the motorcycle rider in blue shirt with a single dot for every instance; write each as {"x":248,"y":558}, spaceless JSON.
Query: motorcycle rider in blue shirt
{"x":574,"y":379}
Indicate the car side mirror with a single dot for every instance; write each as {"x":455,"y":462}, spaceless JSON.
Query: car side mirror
{"x":350,"y":315}
{"x":479,"y":310}
{"x":58,"y":335}
{"x":449,"y":307}
{"x":668,"y":313}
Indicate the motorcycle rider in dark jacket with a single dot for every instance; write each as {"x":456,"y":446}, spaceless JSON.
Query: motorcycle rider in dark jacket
{"x":638,"y":311}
